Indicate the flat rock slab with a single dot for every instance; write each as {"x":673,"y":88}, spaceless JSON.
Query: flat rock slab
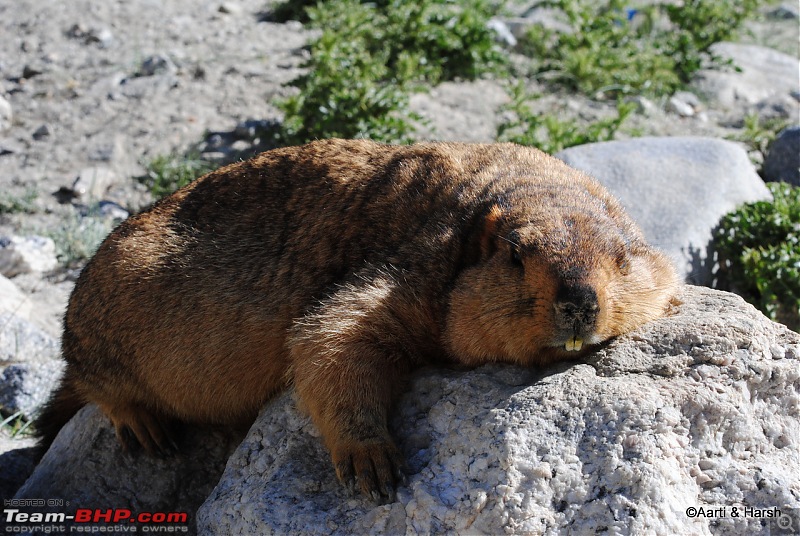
{"x":676,"y":188}
{"x":696,"y":410}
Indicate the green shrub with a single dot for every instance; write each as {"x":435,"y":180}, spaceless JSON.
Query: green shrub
{"x":348,"y":91}
{"x":759,"y":251}
{"x":757,"y":135}
{"x":438,"y":40}
{"x":370,"y":56}
{"x":24,"y":203}
{"x":430,"y":40}
{"x":78,"y":237}
{"x":17,"y":426}
{"x":167,"y":173}
{"x":549,"y":132}
{"x":699,"y":24}
{"x":654,"y":50}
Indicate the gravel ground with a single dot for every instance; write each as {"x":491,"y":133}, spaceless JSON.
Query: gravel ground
{"x":111,"y":84}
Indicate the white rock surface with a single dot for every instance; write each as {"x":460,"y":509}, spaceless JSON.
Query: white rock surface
{"x":697,"y":410}
{"x":30,"y":360}
{"x":26,"y":254}
{"x":13,"y":300}
{"x":30,"y":365}
{"x":6,"y":114}
{"x":676,"y":188}
{"x":92,"y":183}
{"x":765,"y":73}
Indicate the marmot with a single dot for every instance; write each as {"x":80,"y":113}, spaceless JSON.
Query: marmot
{"x":336,"y":268}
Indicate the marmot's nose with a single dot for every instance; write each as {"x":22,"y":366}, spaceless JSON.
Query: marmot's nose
{"x":576,"y":307}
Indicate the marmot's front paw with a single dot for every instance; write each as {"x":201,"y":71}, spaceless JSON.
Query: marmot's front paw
{"x":377,"y":468}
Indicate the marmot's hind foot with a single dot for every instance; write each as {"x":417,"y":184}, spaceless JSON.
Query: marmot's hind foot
{"x":137,"y":427}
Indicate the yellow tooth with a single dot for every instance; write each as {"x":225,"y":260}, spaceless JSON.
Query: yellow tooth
{"x":574,"y":344}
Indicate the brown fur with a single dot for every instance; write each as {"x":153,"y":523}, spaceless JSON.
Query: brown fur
{"x":337,"y":267}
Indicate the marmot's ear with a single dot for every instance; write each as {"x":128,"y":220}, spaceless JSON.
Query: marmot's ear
{"x":483,"y":235}
{"x":488,"y":235}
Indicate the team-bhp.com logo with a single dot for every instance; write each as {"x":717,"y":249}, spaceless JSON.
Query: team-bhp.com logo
{"x":17,"y":521}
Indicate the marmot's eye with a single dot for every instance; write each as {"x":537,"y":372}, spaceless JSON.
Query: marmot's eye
{"x":516,"y":258}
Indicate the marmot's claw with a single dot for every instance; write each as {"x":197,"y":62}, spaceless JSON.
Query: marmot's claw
{"x":344,"y":471}
{"x":127,"y":439}
{"x":374,"y":466}
{"x":400,"y":475}
{"x":138,"y":428}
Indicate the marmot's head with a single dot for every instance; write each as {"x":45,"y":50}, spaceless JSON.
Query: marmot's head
{"x":559,"y":268}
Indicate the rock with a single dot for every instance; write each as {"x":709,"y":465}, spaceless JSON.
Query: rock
{"x":697,"y":409}
{"x":502,"y":32}
{"x":765,"y":73}
{"x":22,"y":255}
{"x":684,"y":103}
{"x":41,"y":133}
{"x":787,"y":10}
{"x":92,"y":183}
{"x":87,"y":467}
{"x":230,"y":8}
{"x":101,"y":36}
{"x":158,"y":64}
{"x":644,"y":105}
{"x":679,"y":107}
{"x":30,"y":71}
{"x":12,"y":300}
{"x":252,"y":129}
{"x":676,"y":189}
{"x":8,"y":147}
{"x":6,"y":115}
{"x":17,"y":458}
{"x":48,"y":299}
{"x":550,"y":18}
{"x":782,"y":162}
{"x":29,"y":365}
{"x":778,"y":107}
{"x":109,"y":209}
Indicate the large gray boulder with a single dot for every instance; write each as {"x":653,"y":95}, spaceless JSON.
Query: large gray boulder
{"x":676,"y":189}
{"x":695,"y":410}
{"x":783,"y":159}
{"x":17,"y":461}
{"x":87,"y":468}
{"x":698,"y":409}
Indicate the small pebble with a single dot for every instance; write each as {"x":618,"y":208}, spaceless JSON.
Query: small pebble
{"x":41,"y":133}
